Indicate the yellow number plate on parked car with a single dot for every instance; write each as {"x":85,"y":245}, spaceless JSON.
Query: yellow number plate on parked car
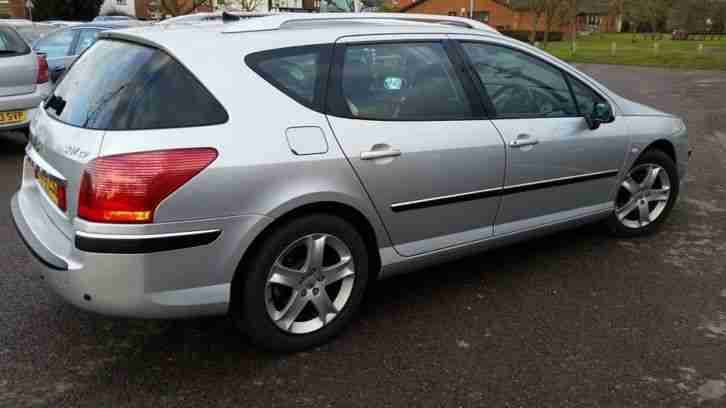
{"x":7,"y":118}
{"x":55,"y":189}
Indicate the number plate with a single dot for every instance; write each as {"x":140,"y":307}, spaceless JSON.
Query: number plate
{"x":8,"y":118}
{"x":54,"y":188}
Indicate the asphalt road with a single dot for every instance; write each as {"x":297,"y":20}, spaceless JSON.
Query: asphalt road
{"x":577,"y":319}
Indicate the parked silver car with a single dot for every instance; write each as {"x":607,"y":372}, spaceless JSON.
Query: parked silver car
{"x":23,"y":80}
{"x":276,"y":174}
{"x":63,"y":46}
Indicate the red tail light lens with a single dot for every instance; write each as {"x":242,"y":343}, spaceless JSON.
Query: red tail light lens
{"x":43,"y":75}
{"x":127,"y":188}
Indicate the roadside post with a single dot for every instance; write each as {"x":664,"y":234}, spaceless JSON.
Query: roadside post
{"x":613,"y":48}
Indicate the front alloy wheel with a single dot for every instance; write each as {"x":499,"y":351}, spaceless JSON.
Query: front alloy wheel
{"x":646,"y":195}
{"x":643,"y":195}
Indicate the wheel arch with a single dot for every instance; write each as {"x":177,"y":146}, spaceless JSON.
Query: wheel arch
{"x":348,"y":212}
{"x":665,"y":146}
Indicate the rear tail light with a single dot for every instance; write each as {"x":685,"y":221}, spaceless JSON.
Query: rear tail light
{"x":43,"y":75}
{"x":127,"y":188}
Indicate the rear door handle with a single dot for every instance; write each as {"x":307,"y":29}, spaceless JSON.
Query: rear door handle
{"x":380,"y":154}
{"x":523,"y":140}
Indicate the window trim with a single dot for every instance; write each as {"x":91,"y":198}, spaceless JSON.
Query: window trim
{"x":485,"y":95}
{"x":324,"y":56}
{"x":334,"y":94}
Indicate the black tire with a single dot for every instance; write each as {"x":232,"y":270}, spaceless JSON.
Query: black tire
{"x":656,"y":157}
{"x":249,"y":308}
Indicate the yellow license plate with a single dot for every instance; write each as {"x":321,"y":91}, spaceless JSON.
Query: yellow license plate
{"x":7,"y":118}
{"x":52,"y":187}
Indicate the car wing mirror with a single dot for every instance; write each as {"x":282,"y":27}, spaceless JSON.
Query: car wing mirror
{"x":601,"y":113}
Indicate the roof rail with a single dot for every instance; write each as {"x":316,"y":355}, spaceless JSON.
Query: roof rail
{"x":278,"y":21}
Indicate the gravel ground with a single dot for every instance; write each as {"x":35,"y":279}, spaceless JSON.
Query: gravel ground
{"x":578,"y":319}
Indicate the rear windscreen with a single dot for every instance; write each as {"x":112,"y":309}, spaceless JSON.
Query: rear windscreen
{"x":33,"y":32}
{"x":11,"y":44}
{"x":118,"y":85}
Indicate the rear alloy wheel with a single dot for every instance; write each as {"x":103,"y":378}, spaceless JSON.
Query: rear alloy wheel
{"x":310,"y":283}
{"x":646,"y":195}
{"x":303,"y":284}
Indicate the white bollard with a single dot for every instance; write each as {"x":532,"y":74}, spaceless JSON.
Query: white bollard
{"x":656,"y":47}
{"x":700,"y":48}
{"x":614,"y":48}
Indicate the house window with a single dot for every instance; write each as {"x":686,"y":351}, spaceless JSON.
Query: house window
{"x":482,"y":16}
{"x":120,"y":2}
{"x":453,"y":13}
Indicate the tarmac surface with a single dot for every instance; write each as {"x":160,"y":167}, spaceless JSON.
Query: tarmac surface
{"x":577,"y":319}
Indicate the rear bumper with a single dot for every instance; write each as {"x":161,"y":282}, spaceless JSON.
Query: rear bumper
{"x":189,"y":277}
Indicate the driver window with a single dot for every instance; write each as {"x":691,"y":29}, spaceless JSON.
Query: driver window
{"x":414,"y":81}
{"x":520,"y":85}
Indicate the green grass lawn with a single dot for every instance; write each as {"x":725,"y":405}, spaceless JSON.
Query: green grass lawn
{"x":596,"y":49}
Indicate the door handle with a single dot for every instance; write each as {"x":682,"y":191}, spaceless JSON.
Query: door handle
{"x":523,"y":140}
{"x":380,"y":154}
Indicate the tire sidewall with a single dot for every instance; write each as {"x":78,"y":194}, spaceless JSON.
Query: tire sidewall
{"x":251,"y":311}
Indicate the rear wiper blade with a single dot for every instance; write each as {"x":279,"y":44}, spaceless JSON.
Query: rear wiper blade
{"x":56,"y":103}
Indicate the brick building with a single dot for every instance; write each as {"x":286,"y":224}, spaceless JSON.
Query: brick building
{"x":593,"y":15}
{"x":12,"y":8}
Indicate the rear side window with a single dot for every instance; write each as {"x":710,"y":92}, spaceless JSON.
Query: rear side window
{"x":123,"y":86}
{"x":56,"y":45}
{"x":299,"y":72}
{"x":11,"y":44}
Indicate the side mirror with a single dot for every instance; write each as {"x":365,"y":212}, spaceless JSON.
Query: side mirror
{"x":601,"y":113}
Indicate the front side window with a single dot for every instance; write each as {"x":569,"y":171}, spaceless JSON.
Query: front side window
{"x":119,"y":85}
{"x":56,"y":45}
{"x":586,"y":98}
{"x":296,"y":71}
{"x":414,"y":81}
{"x":520,"y":85}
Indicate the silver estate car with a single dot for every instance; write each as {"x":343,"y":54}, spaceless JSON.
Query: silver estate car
{"x":24,"y":79}
{"x":278,"y":173}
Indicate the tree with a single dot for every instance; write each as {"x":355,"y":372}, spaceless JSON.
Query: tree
{"x":553,"y":14}
{"x":617,"y":11}
{"x":78,"y":10}
{"x":648,"y":12}
{"x":249,"y":5}
{"x":570,"y":10}
{"x":537,"y":8}
{"x":178,"y":7}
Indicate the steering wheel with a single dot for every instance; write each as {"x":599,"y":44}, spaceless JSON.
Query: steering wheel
{"x":514,"y":99}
